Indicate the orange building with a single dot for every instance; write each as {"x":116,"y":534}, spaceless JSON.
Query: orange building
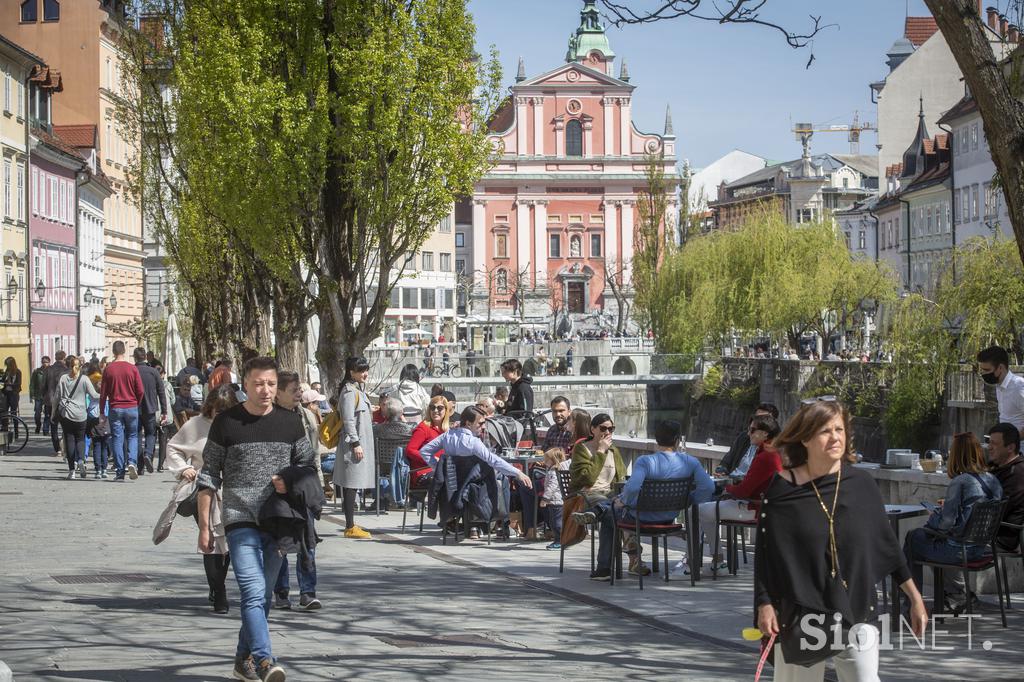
{"x":81,"y":39}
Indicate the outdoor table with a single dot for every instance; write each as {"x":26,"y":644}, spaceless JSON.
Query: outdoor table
{"x":895,"y":514}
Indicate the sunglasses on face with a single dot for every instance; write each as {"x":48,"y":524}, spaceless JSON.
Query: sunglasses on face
{"x":607,"y":429}
{"x":438,"y":408}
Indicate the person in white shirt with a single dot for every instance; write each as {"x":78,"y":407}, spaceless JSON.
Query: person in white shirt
{"x":994,"y":367}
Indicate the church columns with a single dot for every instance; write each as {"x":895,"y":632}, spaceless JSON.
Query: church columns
{"x":521,"y":149}
{"x":522,"y":236}
{"x":538,"y":126}
{"x":627,"y":237}
{"x":609,"y":130}
{"x":540,"y":239}
{"x":480,"y":241}
{"x":625,"y":119}
{"x":611,"y":236}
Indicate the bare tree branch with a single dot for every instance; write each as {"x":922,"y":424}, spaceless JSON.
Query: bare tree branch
{"x":733,"y":12}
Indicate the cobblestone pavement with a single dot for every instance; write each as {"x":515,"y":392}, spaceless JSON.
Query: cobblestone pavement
{"x":400,"y":607}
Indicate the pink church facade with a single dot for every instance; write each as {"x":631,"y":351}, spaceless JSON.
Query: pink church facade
{"x":556,"y":215}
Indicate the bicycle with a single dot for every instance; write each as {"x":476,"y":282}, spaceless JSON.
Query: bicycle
{"x":20,"y":439}
{"x":452,"y":371}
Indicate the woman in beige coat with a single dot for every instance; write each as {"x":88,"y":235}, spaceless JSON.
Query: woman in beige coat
{"x":185,"y":461}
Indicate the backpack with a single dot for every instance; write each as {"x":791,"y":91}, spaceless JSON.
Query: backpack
{"x":330,"y":427}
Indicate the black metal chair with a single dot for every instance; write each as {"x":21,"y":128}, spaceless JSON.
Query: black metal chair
{"x":416,"y":495}
{"x":981,"y":529}
{"x":670,"y":495}
{"x":385,"y":450}
{"x":1018,"y":554}
{"x":735,"y":538}
{"x":564,"y":481}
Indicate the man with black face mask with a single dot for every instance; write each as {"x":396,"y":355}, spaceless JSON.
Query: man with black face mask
{"x":994,"y":367}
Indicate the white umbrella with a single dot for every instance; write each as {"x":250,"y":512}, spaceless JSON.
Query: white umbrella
{"x":415,"y":332}
{"x":174,"y":354}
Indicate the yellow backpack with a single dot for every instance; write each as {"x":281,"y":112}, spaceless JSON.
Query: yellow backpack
{"x":330,"y":427}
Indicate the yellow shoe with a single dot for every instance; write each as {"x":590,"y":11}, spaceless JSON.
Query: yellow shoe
{"x":357,"y":533}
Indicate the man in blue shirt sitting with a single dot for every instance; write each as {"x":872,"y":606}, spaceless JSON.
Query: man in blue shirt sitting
{"x":667,"y":463}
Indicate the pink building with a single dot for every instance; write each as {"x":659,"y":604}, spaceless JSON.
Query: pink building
{"x":558,"y":209}
{"x":54,"y":167}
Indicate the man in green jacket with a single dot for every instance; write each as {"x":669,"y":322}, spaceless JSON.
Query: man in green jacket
{"x":37,"y":394}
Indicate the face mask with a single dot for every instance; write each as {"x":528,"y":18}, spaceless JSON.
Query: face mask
{"x":990,"y":378}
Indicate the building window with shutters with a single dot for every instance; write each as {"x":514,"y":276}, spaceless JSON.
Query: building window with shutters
{"x":445,"y":260}
{"x":21,"y":193}
{"x":573,"y":138}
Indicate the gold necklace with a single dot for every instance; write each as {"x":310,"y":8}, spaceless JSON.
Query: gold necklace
{"x":831,"y":516}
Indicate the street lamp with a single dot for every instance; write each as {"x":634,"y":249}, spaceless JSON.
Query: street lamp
{"x":113,"y":301}
{"x":40,"y":290}
{"x":88,"y":296}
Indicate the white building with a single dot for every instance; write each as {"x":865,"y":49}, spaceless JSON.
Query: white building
{"x":979,"y":209}
{"x":704,"y":182}
{"x":859,"y":226}
{"x":93,"y":190}
{"x":920,"y":63}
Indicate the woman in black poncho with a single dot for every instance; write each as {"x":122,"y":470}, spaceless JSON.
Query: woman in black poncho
{"x":823,"y":543}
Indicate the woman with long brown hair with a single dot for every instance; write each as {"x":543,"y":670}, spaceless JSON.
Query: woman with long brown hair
{"x":823,"y":544}
{"x":970,"y":483}
{"x":185,"y":461}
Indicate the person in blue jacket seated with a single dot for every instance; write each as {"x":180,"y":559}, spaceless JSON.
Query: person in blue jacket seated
{"x":664,"y":464}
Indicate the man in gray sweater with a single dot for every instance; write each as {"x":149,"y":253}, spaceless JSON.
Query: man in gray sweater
{"x":247,"y":446}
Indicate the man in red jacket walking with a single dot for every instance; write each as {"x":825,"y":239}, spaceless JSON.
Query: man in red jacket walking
{"x":122,"y":389}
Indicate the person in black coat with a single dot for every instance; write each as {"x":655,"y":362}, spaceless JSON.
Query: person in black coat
{"x":154,"y":402}
{"x":520,"y":394}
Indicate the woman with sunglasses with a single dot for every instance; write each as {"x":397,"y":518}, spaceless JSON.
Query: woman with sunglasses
{"x":970,"y":483}
{"x":823,"y":544}
{"x":596,"y":467}
{"x":741,"y":501}
{"x":436,"y":420}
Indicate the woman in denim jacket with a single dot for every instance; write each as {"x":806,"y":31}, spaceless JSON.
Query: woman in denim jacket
{"x":971,"y":483}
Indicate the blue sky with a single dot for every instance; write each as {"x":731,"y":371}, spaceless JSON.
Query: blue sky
{"x":730,"y":87}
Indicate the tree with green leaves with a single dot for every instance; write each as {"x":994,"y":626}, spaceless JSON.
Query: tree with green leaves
{"x":766,"y":279}
{"x":329,"y":138}
{"x":654,"y":241}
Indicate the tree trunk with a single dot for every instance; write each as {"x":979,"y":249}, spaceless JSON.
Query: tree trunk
{"x":1002,"y":114}
{"x":290,"y":331}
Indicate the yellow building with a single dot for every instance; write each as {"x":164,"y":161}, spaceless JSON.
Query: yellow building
{"x":82,"y":39}
{"x":16,"y":65}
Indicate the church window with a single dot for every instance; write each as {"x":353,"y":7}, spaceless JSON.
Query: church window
{"x":574,"y":138}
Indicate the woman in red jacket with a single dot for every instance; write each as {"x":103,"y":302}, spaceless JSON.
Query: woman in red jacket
{"x":435,"y":422}
{"x":742,"y":500}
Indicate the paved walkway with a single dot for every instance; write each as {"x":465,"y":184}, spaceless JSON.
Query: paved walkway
{"x":400,"y":607}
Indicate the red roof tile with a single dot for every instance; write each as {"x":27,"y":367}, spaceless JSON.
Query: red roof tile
{"x":919,"y":29}
{"x":77,"y":135}
{"x":929,"y":147}
{"x":942,"y":141}
{"x":48,"y":78}
{"x":57,"y":142}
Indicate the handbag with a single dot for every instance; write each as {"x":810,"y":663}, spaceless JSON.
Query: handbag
{"x":572,"y":532}
{"x":190,"y":505}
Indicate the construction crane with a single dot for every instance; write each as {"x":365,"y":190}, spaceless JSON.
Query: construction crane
{"x":804,"y":132}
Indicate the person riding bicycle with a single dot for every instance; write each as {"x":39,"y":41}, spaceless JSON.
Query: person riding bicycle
{"x":445,"y":359}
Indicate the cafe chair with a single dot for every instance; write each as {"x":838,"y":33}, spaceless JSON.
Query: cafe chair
{"x":1004,"y":555}
{"x":981,"y":529}
{"x":671,"y":495}
{"x":735,"y":539}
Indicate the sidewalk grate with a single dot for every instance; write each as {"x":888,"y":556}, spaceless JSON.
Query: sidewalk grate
{"x":107,"y":578}
{"x":427,"y":641}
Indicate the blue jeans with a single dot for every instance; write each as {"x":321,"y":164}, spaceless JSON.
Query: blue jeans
{"x":555,"y":520}
{"x":306,"y":577}
{"x":921,"y":545}
{"x":256,"y":563}
{"x":124,"y":425}
{"x":100,"y":450}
